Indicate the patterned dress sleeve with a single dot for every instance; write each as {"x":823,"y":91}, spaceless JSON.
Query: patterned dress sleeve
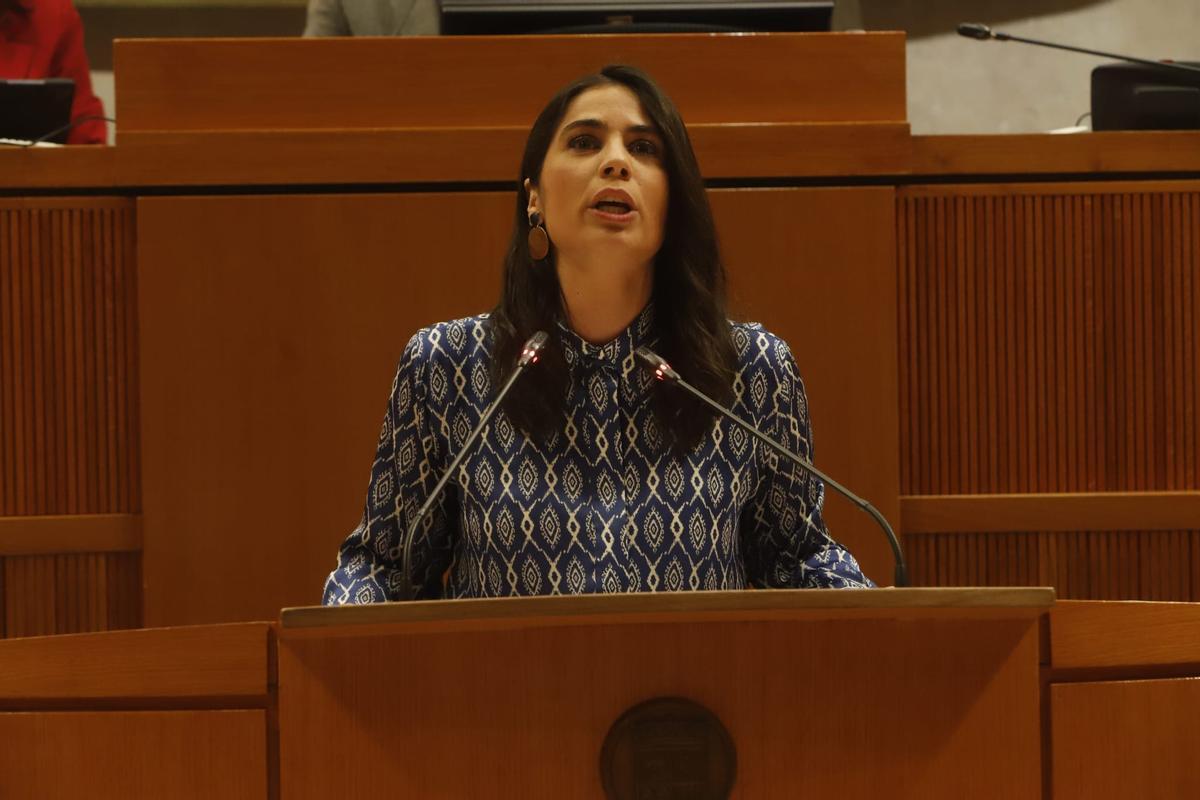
{"x":786,"y":542}
{"x":408,"y":462}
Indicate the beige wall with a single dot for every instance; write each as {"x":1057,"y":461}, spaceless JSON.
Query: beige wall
{"x":955,"y":85}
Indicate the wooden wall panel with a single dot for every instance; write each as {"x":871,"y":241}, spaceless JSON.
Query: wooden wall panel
{"x":285,"y":317}
{"x":1049,"y":338}
{"x":68,"y":407}
{"x":68,"y":357}
{"x":70,"y":593}
{"x":1111,"y":565}
{"x":1050,"y":342}
{"x":814,"y":266}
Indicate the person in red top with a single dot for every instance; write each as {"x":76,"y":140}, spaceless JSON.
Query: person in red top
{"x":44,"y":39}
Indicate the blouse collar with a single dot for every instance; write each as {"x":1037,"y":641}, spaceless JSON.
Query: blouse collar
{"x":579,"y":351}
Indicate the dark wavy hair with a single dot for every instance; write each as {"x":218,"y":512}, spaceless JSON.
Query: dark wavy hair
{"x":688,"y":289}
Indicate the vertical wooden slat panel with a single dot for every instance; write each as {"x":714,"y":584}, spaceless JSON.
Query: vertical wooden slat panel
{"x":61,"y":579}
{"x":69,"y":593}
{"x":68,"y":416}
{"x":903,"y":324}
{"x":1118,"y":565}
{"x":8,"y":337}
{"x":976,"y":280}
{"x":1194,"y":566}
{"x":67,"y":311}
{"x":1051,"y":343}
{"x":1187,"y":308}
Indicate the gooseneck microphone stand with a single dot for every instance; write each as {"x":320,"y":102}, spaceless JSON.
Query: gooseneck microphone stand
{"x":529,"y":355}
{"x":977,"y":30}
{"x":663,"y":372}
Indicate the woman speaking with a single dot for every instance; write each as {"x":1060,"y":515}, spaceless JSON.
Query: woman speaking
{"x":592,"y":476}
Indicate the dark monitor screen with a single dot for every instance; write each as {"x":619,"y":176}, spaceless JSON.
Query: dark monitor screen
{"x":1129,"y":97}
{"x":501,"y":17}
{"x":29,"y":109}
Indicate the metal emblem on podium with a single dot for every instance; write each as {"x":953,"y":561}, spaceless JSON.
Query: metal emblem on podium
{"x":668,"y":748}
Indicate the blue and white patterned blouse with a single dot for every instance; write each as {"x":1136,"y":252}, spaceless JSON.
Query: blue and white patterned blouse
{"x":603,"y":506}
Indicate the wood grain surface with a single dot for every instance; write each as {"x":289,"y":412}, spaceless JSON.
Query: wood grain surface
{"x":223,"y":661}
{"x":381,"y":155}
{"x":1049,"y":341}
{"x":41,"y":595}
{"x":68,"y":357}
{"x":1125,"y":740}
{"x":336,"y":82}
{"x":1050,"y":511}
{"x":1042,"y":153}
{"x":640,"y":608}
{"x":76,"y":533}
{"x":69,"y":472}
{"x":927,"y":708}
{"x":1094,"y":634}
{"x":137,"y":754}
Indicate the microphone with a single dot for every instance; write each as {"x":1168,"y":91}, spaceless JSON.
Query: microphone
{"x":976,"y":30}
{"x":663,"y":371}
{"x":529,"y":355}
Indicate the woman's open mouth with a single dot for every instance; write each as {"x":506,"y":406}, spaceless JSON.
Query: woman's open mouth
{"x":613,"y":211}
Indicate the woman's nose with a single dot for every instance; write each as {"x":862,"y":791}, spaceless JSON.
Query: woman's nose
{"x":616,"y":161}
{"x":615,"y":168}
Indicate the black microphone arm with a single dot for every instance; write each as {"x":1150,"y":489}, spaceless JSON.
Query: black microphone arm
{"x":976,"y":30}
{"x":663,"y":371}
{"x":529,"y":355}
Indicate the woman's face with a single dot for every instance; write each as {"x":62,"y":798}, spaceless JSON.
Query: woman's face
{"x":603,"y":189}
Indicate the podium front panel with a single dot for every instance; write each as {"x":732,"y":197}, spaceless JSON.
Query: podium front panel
{"x":817,"y":707}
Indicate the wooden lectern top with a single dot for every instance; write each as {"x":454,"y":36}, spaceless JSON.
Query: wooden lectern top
{"x":642,"y":608}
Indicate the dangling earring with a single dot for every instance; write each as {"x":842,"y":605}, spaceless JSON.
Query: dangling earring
{"x":539,"y":240}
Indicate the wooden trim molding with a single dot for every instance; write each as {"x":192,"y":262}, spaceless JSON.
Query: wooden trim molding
{"x":1090,"y":634}
{"x":79,"y":533}
{"x":435,"y":155}
{"x":221,"y":661}
{"x":1041,"y":153}
{"x":1095,"y":511}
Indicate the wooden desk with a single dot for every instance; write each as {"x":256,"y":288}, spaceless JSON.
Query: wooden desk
{"x":1123,"y":700}
{"x":180,"y":712}
{"x":941,"y":686}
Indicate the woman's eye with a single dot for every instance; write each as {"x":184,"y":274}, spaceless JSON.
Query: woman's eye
{"x":584,"y":141}
{"x":644,"y":147}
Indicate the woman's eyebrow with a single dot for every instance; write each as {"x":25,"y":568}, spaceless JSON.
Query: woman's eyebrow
{"x":583,"y":123}
{"x":595,"y":123}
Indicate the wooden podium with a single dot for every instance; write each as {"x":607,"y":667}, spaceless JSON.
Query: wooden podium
{"x":920,"y":693}
{"x":931,"y":693}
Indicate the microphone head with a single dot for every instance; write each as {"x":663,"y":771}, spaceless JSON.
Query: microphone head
{"x":974,"y":30}
{"x":533,"y":345}
{"x":657,"y":364}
